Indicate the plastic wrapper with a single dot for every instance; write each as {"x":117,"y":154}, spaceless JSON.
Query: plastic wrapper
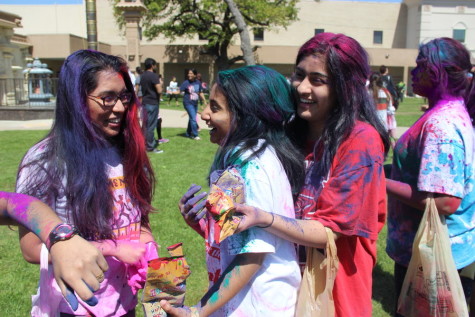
{"x":227,"y":190}
{"x":166,"y":279}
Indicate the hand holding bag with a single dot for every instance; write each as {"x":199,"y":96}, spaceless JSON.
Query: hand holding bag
{"x":432,"y":285}
{"x":315,"y":297}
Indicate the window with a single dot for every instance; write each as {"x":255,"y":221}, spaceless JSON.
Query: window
{"x":377,"y":37}
{"x":258,"y":34}
{"x":318,"y":31}
{"x":459,"y":35}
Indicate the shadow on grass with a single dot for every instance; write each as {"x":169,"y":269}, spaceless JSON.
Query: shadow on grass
{"x":383,"y":289}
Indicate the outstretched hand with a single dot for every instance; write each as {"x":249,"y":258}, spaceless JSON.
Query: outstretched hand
{"x":192,"y":207}
{"x":250,"y":217}
{"x":184,"y":311}
{"x":77,"y":265}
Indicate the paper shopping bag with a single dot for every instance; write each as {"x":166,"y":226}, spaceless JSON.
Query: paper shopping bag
{"x":315,"y":297}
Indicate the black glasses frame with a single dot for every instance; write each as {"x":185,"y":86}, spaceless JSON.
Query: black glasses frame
{"x":125,"y":98}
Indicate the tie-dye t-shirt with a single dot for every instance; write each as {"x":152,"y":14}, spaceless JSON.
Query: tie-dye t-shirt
{"x":115,"y":295}
{"x":436,"y":155}
{"x":273,"y":289}
{"x":351,"y":200}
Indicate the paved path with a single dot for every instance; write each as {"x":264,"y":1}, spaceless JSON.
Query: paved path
{"x":171,"y":119}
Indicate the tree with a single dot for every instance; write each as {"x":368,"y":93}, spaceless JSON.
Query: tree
{"x":213,"y":21}
{"x":241,"y":24}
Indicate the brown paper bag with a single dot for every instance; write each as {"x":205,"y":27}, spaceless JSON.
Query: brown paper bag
{"x":432,"y":285}
{"x":315,"y":297}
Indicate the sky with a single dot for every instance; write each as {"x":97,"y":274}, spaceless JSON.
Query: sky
{"x":80,"y":1}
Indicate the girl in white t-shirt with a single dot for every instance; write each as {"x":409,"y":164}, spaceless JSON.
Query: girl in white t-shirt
{"x":253,"y":273}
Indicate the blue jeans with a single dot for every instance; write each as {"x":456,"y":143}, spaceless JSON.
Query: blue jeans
{"x":150,"y":123}
{"x":192,"y":110}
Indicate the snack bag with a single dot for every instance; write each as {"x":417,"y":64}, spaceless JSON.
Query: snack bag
{"x":226,"y":190}
{"x":165,"y":280}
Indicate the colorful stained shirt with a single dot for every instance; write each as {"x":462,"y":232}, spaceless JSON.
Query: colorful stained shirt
{"x":115,"y":296}
{"x":272,"y":291}
{"x":350,"y":200}
{"x":192,"y":89}
{"x":436,"y":155}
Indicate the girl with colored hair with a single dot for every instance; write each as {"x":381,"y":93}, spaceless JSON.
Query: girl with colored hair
{"x":253,"y":273}
{"x":76,"y":261}
{"x":436,"y":156}
{"x":93,"y":170}
{"x":345,"y":145}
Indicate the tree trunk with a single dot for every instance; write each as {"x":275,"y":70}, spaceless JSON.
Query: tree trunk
{"x":243,"y":33}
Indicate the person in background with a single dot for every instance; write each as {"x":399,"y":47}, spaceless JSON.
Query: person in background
{"x":401,"y":90}
{"x":436,"y":156}
{"x":93,"y":170}
{"x":389,"y":84}
{"x":173,"y":91}
{"x":138,"y":87}
{"x":151,"y":90}
{"x":193,"y":91}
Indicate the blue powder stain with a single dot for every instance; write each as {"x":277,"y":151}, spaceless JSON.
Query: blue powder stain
{"x":214,"y":298}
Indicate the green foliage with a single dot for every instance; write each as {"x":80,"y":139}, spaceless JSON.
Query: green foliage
{"x":213,"y":21}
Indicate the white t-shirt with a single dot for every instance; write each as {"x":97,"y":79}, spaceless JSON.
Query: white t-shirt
{"x":273,"y":289}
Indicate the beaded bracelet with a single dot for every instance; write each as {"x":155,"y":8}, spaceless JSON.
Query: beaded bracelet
{"x":271,"y":223}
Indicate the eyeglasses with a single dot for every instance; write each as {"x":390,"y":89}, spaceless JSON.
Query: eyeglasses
{"x":109,"y":101}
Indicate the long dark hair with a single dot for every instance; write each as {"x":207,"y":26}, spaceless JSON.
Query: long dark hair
{"x":76,"y":150}
{"x":348,"y":69}
{"x":261,"y":103}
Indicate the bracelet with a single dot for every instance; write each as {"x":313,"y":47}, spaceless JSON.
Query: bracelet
{"x":271,"y":223}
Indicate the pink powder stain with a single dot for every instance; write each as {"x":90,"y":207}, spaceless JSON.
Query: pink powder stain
{"x":21,"y":204}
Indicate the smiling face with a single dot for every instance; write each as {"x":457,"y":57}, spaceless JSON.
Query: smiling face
{"x":217,"y":116}
{"x":311,"y":81}
{"x":108,"y":119}
{"x":191,"y":76}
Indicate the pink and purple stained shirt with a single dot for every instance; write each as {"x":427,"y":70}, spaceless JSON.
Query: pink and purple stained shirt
{"x":436,"y":155}
{"x":115,"y":296}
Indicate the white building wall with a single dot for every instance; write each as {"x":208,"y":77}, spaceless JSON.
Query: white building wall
{"x":356,"y":19}
{"x":441,"y":17}
{"x":50,"y":19}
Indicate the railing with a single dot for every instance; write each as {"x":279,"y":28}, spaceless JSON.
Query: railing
{"x":19,"y":92}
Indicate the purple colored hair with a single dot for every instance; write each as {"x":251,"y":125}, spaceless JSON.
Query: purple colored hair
{"x":448,"y":62}
{"x":348,"y":68}
{"x":76,"y":150}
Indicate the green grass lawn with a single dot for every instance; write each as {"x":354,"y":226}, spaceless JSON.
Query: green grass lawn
{"x":409,"y":111}
{"x":184,"y":162}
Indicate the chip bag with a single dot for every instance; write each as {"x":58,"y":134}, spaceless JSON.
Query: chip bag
{"x":165,"y":280}
{"x":226,"y":190}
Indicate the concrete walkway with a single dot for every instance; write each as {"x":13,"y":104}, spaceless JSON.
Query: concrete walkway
{"x":171,"y":119}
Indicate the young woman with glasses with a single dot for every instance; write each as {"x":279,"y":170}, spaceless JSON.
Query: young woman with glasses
{"x":93,"y":170}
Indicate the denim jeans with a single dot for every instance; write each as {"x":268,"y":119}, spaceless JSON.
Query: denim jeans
{"x":151,"y":116}
{"x":192,"y":110}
